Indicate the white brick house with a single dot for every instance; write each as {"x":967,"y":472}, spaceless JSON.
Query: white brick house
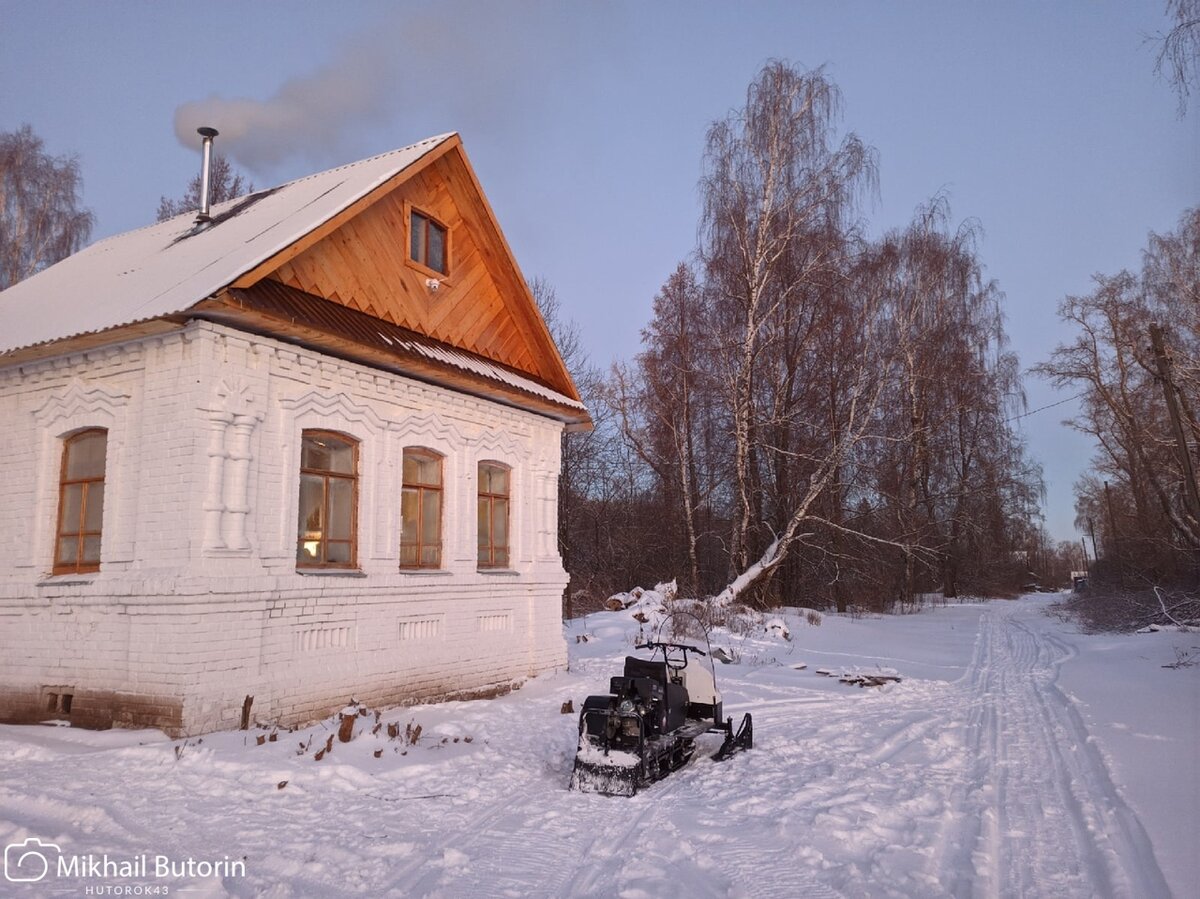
{"x":303,"y":451}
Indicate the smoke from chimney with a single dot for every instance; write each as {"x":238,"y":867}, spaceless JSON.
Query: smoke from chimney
{"x":306,"y":117}
{"x":459,"y":66}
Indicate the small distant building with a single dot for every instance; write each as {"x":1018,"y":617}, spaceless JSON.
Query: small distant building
{"x":304,"y":450}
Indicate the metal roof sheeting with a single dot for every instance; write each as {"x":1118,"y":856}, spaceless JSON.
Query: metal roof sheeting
{"x":285,"y":303}
{"x":166,"y":268}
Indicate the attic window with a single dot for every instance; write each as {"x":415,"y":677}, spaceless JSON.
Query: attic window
{"x":427,"y":243}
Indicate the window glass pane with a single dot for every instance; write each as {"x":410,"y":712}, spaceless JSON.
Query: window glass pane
{"x":416,"y":236}
{"x":437,"y":248}
{"x":94,"y":512}
{"x":484,"y":529}
{"x":431,"y":516}
{"x":341,"y":508}
{"x":493,"y":479}
{"x":85,"y":455}
{"x":422,"y":469}
{"x":408,"y":516}
{"x":431,"y":556}
{"x":500,"y":557}
{"x":91,"y":550}
{"x":499,"y":523}
{"x":325,"y":452}
{"x":431,"y":471}
{"x":485,"y":556}
{"x":312,"y":495}
{"x":72,"y":502}
{"x":338,"y":553}
{"x":68,"y":550}
{"x":308,"y":552}
{"x":341,"y":457}
{"x":314,"y":454}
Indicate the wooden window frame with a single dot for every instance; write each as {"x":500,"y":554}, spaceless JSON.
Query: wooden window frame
{"x":421,"y":490}
{"x":79,"y":566}
{"x":420,"y":264}
{"x":323,"y":541}
{"x":491,"y":497}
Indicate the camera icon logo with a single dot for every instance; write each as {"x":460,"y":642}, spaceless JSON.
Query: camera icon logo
{"x":29,"y":861}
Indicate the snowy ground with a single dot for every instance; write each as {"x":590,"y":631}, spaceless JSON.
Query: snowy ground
{"x":1017,"y":758}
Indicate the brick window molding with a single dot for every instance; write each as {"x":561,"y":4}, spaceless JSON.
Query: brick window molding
{"x":80,"y":406}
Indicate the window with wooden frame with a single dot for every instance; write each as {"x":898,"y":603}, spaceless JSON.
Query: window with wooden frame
{"x":428,"y":242}
{"x":81,"y":502}
{"x":494,"y":483}
{"x":328,"y":508}
{"x":421,"y":510}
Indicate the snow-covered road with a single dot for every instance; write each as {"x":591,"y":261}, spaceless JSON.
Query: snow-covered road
{"x":1041,"y":814}
{"x":978,"y":775}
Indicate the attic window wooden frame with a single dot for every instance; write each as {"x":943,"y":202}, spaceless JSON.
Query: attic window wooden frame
{"x":411,"y":215}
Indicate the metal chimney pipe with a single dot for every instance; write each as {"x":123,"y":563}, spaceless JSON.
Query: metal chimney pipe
{"x":205,"y":171}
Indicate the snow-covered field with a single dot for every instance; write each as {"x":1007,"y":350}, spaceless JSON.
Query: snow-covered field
{"x":1017,"y":757}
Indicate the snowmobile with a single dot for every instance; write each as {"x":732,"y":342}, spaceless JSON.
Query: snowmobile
{"x":647,"y":725}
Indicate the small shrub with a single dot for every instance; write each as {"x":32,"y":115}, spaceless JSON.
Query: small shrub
{"x":813,"y":617}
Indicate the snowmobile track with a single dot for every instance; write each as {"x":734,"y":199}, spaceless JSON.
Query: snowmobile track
{"x":1038,"y":812}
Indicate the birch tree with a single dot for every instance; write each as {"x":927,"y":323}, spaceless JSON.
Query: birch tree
{"x":1179,"y":50}
{"x":41,"y":220}
{"x":777,"y":185}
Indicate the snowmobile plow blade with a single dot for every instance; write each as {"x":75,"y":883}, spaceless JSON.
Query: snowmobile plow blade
{"x":735,"y":743}
{"x":609,"y":780}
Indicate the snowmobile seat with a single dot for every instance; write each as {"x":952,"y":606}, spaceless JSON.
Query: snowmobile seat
{"x":655,"y":670}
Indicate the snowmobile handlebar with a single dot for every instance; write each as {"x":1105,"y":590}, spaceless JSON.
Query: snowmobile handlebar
{"x":653,"y":644}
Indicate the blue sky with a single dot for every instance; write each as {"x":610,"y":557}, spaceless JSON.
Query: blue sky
{"x":1044,"y":122}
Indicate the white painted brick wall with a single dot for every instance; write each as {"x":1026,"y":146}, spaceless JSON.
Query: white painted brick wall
{"x":181,"y":612}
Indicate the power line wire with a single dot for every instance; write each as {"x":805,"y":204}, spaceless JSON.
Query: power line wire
{"x":1044,"y":408}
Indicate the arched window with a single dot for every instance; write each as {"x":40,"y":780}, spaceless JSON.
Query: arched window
{"x":81,"y":502}
{"x":493,"y":515}
{"x":328,"y":509}
{"x":421,"y":510}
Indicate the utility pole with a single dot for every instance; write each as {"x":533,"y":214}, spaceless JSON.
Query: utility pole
{"x":1190,"y":492}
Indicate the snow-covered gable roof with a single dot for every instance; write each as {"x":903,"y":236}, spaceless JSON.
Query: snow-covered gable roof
{"x":165,"y":269}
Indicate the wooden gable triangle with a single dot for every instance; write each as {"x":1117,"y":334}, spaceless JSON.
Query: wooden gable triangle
{"x":362,"y":259}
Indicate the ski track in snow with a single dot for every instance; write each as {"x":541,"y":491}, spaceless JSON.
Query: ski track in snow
{"x":985,"y":786}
